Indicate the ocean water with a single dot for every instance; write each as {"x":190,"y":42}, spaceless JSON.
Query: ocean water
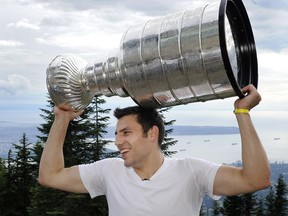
{"x":227,"y":148}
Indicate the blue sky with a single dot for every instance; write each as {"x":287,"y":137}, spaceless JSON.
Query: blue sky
{"x":33,"y":32}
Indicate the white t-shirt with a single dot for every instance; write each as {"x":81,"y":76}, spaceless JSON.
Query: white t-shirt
{"x":177,"y":188}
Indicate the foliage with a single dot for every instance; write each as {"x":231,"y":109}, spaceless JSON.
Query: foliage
{"x":260,"y":210}
{"x":97,"y":122}
{"x":270,"y":200}
{"x":216,"y":208}
{"x":168,"y":141}
{"x":280,"y":201}
{"x":3,"y":183}
{"x":274,"y":204}
{"x":232,"y":205}
{"x":18,"y":180}
{"x":84,"y":143}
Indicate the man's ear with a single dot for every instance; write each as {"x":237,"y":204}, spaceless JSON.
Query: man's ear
{"x":154,"y":133}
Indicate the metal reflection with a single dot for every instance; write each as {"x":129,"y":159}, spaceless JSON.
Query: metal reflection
{"x":198,"y":55}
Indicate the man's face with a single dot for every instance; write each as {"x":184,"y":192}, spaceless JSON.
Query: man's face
{"x":133,"y":145}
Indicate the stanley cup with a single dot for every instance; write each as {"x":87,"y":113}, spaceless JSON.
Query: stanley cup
{"x":197,"y":55}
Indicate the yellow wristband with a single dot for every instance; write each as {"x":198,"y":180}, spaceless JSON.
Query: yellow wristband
{"x":237,"y":111}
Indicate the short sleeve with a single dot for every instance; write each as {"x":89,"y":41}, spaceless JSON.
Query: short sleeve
{"x":92,"y":177}
{"x":204,"y":174}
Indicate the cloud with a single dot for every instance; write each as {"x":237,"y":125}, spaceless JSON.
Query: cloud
{"x":24,"y":23}
{"x":269,"y":24}
{"x":10,"y":43}
{"x":146,"y":7}
{"x":273,"y":78}
{"x":14,"y":84}
{"x":279,"y":4}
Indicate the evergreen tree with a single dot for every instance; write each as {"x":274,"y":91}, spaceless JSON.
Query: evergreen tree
{"x":281,"y":202}
{"x":83,"y":144}
{"x":48,"y":116}
{"x":2,"y":185}
{"x":97,"y":120}
{"x":168,"y":141}
{"x":203,"y":210}
{"x":270,"y":201}
{"x":216,"y":208}
{"x":249,"y":204}
{"x":45,"y":201}
{"x":260,"y":210}
{"x":10,"y":206}
{"x":23,"y":174}
{"x":18,"y":179}
{"x":245,"y":204}
{"x":232,"y":205}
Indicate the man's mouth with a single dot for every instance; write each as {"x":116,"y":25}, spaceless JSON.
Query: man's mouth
{"x":124,"y":152}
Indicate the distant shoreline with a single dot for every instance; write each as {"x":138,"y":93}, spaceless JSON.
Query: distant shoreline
{"x":181,"y":130}
{"x":8,"y":131}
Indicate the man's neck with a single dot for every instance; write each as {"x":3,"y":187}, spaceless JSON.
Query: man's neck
{"x":150,"y":168}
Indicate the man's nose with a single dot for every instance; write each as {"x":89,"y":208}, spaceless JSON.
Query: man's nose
{"x":118,"y":140}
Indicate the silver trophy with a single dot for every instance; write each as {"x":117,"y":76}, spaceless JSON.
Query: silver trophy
{"x":197,"y":55}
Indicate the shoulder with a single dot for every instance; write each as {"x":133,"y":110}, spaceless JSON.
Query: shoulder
{"x":192,"y":164}
{"x":101,"y":168}
{"x":111,"y":161}
{"x":104,"y":164}
{"x":189,"y":161}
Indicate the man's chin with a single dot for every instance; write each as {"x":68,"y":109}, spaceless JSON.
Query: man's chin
{"x":127,"y":164}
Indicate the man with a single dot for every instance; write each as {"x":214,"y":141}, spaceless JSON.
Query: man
{"x":143,"y":182}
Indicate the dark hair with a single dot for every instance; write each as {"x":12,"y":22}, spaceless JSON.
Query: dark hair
{"x":147,"y":118}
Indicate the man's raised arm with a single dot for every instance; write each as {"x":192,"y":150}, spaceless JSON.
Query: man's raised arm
{"x":255,"y":174}
{"x":52,"y":171}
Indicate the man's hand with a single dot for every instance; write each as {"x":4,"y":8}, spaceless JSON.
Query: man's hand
{"x":67,"y":113}
{"x":251,"y":99}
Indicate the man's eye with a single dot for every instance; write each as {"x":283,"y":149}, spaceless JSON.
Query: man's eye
{"x":125,"y":133}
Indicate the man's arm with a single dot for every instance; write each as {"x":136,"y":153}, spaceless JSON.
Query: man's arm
{"x":52,"y":172}
{"x":255,"y":174}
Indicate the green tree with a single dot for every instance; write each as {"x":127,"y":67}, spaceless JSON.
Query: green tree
{"x":9,"y":206}
{"x":245,"y":204}
{"x":280,"y":201}
{"x":83,"y":144}
{"x":260,"y":209}
{"x":23,"y":173}
{"x":98,"y":123}
{"x":216,"y":208}
{"x":168,"y":141}
{"x":203,"y":210}
{"x":232,"y":205}
{"x":17,"y":179}
{"x":46,"y":201}
{"x":269,"y":201}
{"x":2,"y":185}
{"x":249,"y":201}
{"x":48,"y":117}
